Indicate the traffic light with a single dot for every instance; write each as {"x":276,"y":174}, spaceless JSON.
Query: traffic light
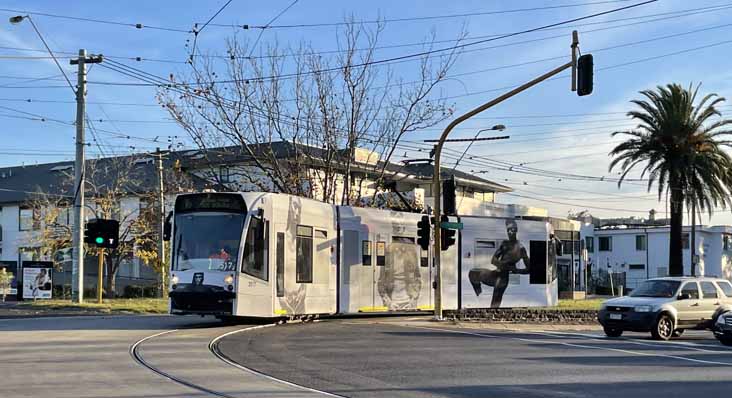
{"x":585,"y":72}
{"x":102,"y":233}
{"x":447,"y":236}
{"x":448,"y":196}
{"x":423,"y":233}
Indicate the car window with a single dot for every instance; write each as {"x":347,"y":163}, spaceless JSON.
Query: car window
{"x":692,"y":289}
{"x":709,"y":290}
{"x":726,"y":288}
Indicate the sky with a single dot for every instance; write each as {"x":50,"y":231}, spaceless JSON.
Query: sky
{"x":551,"y":129}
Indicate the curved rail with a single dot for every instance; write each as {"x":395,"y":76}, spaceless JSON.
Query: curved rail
{"x":135,"y":354}
{"x":213,"y":346}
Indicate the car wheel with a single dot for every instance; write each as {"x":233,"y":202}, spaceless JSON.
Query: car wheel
{"x":726,"y":341}
{"x":664,"y":328}
{"x":611,"y":332}
{"x":678,"y":332}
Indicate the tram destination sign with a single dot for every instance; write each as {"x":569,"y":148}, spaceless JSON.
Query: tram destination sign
{"x":210,"y":202}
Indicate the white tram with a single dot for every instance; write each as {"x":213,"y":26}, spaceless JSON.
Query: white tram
{"x":274,"y":255}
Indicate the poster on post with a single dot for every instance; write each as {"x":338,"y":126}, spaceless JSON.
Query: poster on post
{"x":37,"y":282}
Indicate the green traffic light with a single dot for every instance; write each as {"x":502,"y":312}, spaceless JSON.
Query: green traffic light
{"x":99,"y":240}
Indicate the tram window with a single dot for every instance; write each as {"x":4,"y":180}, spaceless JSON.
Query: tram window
{"x":255,"y":249}
{"x":381,"y":253}
{"x":304,"y":260}
{"x":280,"y":264}
{"x":366,"y":253}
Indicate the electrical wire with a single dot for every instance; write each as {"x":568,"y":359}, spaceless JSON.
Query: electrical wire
{"x":432,"y":51}
{"x":197,"y":31}
{"x":101,"y":21}
{"x":259,"y":36}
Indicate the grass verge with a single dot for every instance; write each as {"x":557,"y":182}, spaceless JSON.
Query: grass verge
{"x":134,"y":306}
{"x":588,"y":304}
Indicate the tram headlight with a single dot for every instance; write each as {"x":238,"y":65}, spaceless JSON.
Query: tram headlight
{"x":174,"y":279}
{"x":229,"y":279}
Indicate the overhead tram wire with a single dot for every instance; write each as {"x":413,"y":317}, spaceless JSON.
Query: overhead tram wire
{"x":94,"y":20}
{"x":669,"y":15}
{"x":422,"y":18}
{"x":259,"y":36}
{"x":196,"y":32}
{"x":168,"y":84}
{"x":439,"y":50}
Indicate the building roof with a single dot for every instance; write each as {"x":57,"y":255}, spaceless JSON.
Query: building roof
{"x":18,"y":183}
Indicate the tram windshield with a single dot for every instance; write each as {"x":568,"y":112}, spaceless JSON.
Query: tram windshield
{"x":207,"y":241}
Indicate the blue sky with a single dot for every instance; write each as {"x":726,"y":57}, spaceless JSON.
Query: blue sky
{"x":550,"y":127}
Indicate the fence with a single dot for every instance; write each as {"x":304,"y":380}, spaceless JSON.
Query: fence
{"x":600,"y":282}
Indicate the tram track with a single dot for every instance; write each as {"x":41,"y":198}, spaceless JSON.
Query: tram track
{"x":213,"y":348}
{"x":137,"y":356}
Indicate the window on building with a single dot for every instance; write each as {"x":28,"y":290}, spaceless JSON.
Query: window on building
{"x":590,"y":244}
{"x":709,"y":291}
{"x":606,"y":243}
{"x":640,"y":242}
{"x":304,"y":249}
{"x":726,"y":288}
{"x":381,"y":253}
{"x":280,"y":272}
{"x":255,"y":249}
{"x":224,"y":174}
{"x":692,"y":289}
{"x":29,"y":219}
{"x":685,"y":241}
{"x":366,"y":253}
{"x":1,"y":233}
{"x":637,"y":266}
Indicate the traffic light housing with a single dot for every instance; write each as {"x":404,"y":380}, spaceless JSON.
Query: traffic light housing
{"x":585,"y":72}
{"x":448,"y":196}
{"x":447,"y":236}
{"x":423,"y":233}
{"x":102,"y":233}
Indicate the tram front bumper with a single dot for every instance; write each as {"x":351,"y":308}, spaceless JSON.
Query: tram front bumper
{"x":203,"y":300}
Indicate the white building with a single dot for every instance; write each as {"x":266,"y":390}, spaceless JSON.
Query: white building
{"x":642,"y":252}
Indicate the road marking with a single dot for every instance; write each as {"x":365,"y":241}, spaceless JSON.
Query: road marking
{"x":213,"y":346}
{"x":666,"y":344}
{"x":575,"y":345}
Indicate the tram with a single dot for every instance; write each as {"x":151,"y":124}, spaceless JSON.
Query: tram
{"x":269,"y":255}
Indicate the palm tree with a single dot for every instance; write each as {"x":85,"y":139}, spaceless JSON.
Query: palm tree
{"x":682,"y":150}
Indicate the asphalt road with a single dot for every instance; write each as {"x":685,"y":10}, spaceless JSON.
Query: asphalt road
{"x":90,"y":357}
{"x":369,"y":359}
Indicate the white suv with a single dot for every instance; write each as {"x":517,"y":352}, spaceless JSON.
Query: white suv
{"x":667,"y":306}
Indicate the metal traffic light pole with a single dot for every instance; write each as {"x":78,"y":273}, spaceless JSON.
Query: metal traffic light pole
{"x":436,"y":185}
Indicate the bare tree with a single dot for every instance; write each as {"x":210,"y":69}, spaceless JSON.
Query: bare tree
{"x":108,"y":182}
{"x":298,"y":117}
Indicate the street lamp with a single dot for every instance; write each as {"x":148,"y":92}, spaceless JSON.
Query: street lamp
{"x":17,"y":19}
{"x":497,"y":127}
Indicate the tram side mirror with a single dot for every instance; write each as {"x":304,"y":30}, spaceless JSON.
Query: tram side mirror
{"x":684,"y":296}
{"x":167,"y":227}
